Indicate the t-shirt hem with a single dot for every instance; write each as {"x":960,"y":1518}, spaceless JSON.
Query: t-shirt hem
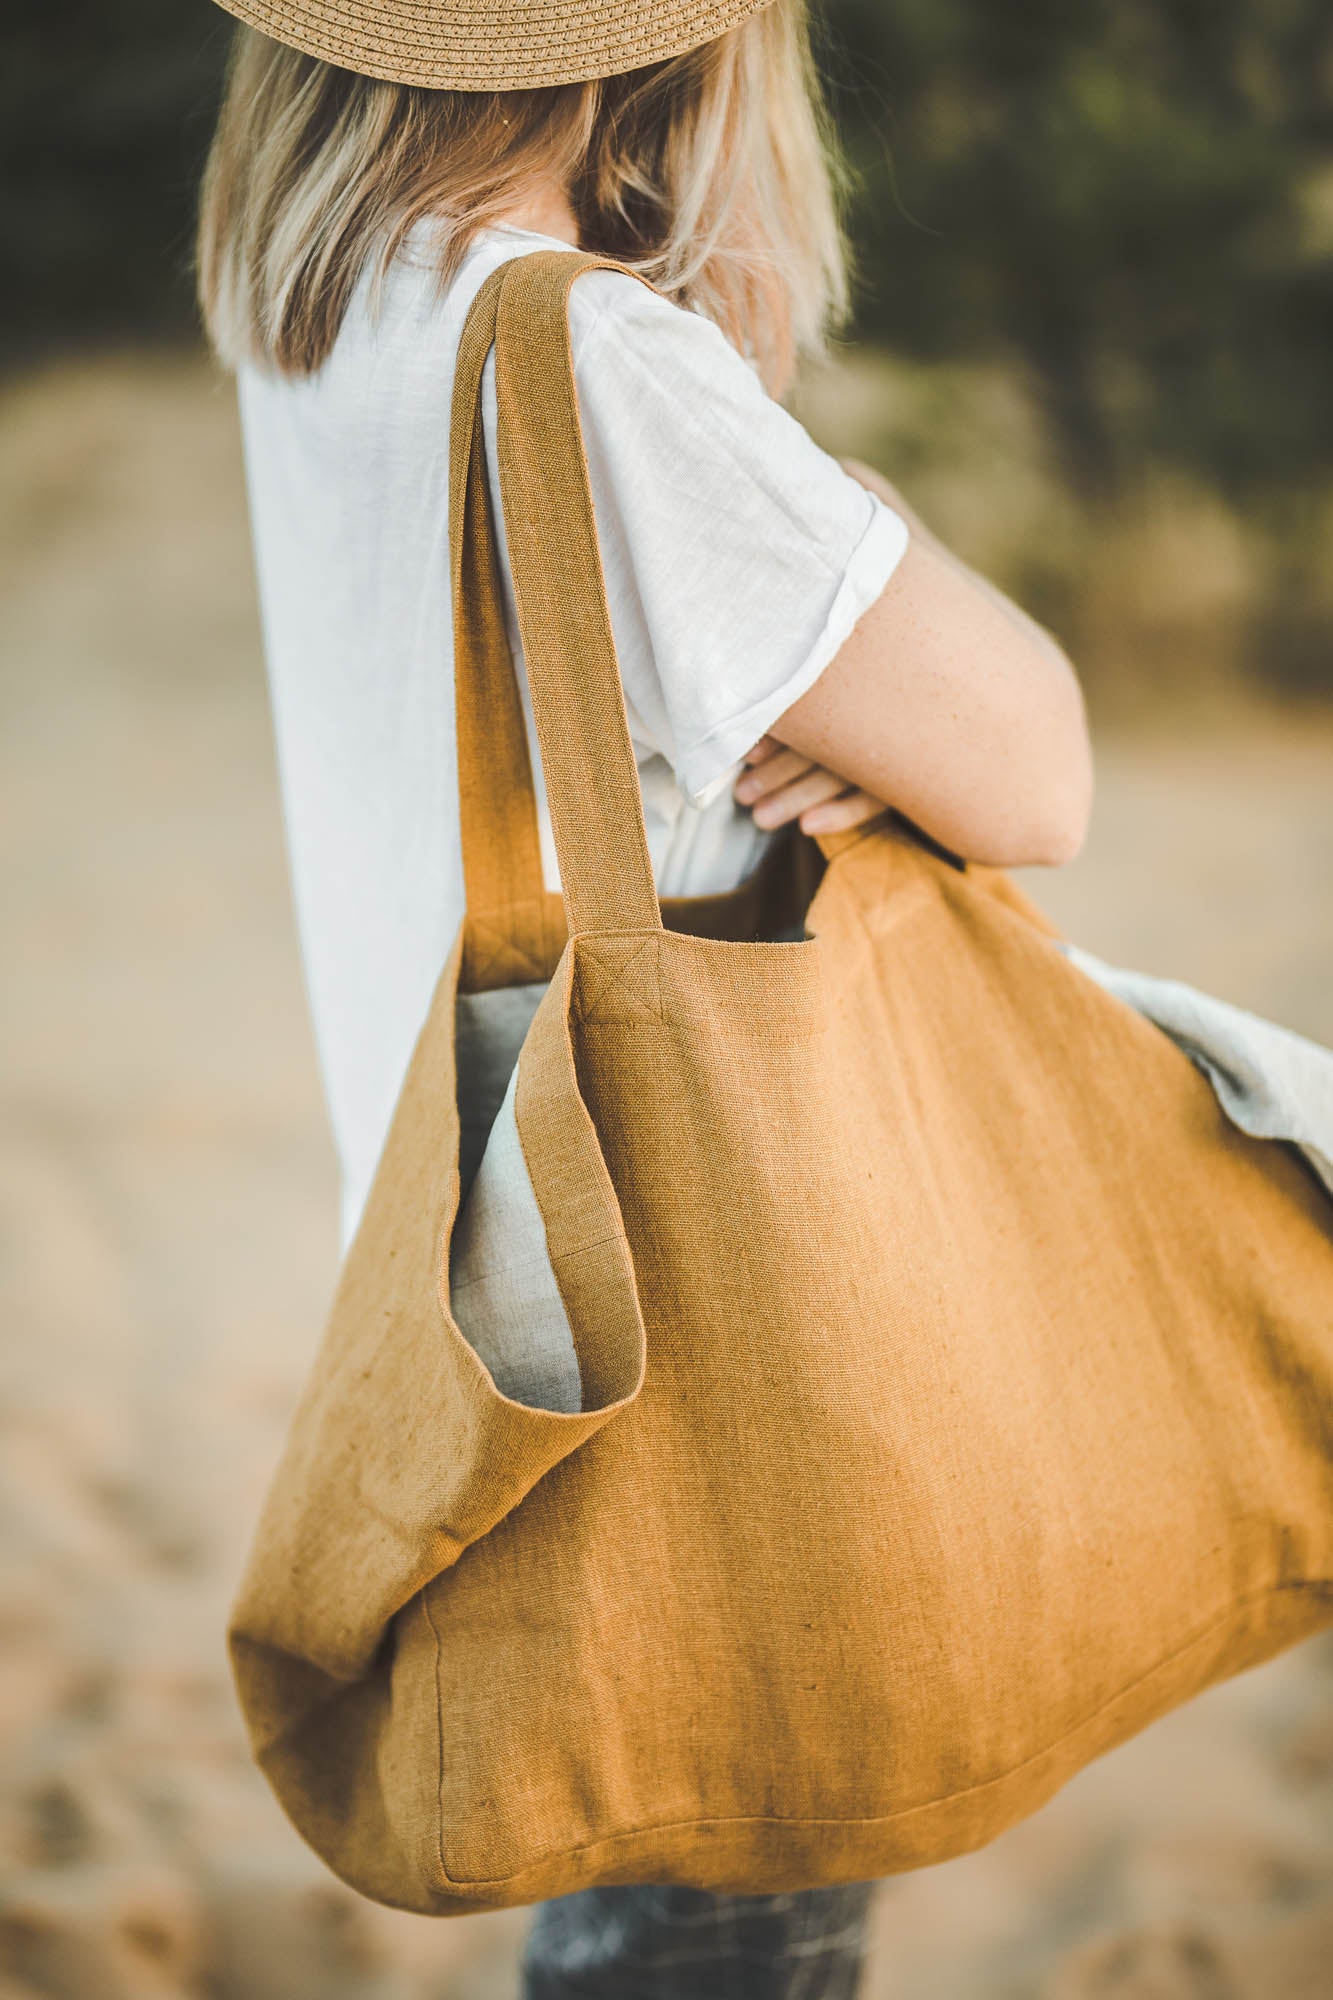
{"x":704,"y":769}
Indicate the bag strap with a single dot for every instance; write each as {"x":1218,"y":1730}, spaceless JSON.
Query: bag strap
{"x":502,"y":868}
{"x":592,"y":780}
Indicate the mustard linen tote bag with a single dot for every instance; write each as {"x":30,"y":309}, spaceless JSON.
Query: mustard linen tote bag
{"x":956,"y":1382}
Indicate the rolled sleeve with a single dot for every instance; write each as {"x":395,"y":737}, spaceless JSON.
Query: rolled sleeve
{"x":704,"y":768}
{"x":738,"y":555}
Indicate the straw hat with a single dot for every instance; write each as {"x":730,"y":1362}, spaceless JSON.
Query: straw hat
{"x":492,"y":44}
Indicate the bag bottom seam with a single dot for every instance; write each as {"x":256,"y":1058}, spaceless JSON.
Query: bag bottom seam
{"x":450,"y":1883}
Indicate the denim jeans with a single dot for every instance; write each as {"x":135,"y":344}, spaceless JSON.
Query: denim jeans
{"x":660,"y":1943}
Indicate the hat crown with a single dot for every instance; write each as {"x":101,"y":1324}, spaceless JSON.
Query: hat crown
{"x":492,"y":44}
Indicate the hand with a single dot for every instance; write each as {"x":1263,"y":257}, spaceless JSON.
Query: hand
{"x":780,"y":785}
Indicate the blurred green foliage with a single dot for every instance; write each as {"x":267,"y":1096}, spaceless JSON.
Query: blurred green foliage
{"x":105,"y":116}
{"x":1124,"y":205}
{"x":1132,"y":198}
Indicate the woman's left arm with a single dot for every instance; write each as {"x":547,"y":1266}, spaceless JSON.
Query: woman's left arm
{"x":951,"y":704}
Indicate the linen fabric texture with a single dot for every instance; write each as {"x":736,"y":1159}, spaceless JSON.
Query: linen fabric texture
{"x":737,"y":557}
{"x":503,"y":1293}
{"x":956,"y":1380}
{"x":1272,"y":1083}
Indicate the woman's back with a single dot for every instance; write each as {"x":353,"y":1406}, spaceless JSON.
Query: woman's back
{"x":737,"y":556}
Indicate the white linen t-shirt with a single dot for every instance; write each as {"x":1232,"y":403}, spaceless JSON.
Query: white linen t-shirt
{"x":737,"y":557}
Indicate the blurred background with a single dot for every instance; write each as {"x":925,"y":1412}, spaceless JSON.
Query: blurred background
{"x":1092,"y":344}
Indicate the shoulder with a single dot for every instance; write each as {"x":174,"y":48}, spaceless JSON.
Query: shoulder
{"x":614,"y":317}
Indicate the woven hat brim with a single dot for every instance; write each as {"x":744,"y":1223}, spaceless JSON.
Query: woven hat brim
{"x":492,"y":44}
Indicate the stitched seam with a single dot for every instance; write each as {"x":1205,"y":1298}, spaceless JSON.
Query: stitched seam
{"x":617,"y":975}
{"x":501,"y":950}
{"x":1322,"y":1585}
{"x":649,"y":1008}
{"x":434,"y":1631}
{"x":617,"y":1237}
{"x":507,"y":961}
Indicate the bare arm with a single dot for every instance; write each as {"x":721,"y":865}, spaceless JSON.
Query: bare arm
{"x":955,"y":707}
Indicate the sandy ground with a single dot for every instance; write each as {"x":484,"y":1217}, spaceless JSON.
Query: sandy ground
{"x":168,"y":1247}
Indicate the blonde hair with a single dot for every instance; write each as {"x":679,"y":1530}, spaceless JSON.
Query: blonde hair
{"x":714,"y":173}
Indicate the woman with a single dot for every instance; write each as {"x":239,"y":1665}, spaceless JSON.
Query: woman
{"x":793,"y":644}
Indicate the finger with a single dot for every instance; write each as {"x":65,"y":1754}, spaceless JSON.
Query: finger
{"x":852,"y":809}
{"x":792,"y":800}
{"x":764,"y":748}
{"x":777,"y":770}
